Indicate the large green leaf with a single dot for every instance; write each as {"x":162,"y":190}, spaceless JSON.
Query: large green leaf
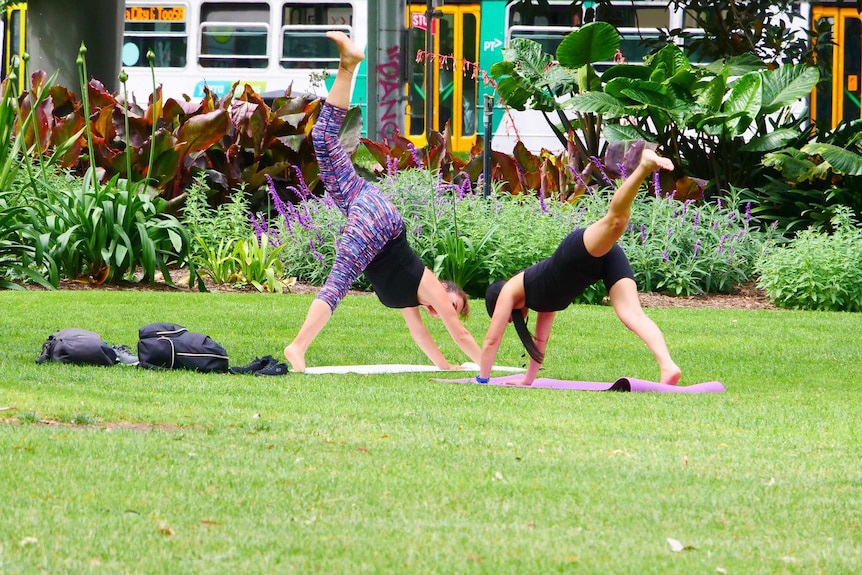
{"x":668,"y":62}
{"x":597,"y":103}
{"x":591,"y":43}
{"x":528,"y":57}
{"x":771,"y":141}
{"x":737,"y":65}
{"x":620,"y":133}
{"x":712,"y":94}
{"x":637,"y":72}
{"x":743,"y":104}
{"x":842,"y":161}
{"x":786,"y":85}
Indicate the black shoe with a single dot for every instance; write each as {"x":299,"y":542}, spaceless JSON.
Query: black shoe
{"x":125,"y":355}
{"x":274,"y":368}
{"x":256,"y":364}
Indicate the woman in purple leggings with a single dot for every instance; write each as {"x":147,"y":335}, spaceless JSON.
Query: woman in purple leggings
{"x":374,"y":241}
{"x":584,"y":257}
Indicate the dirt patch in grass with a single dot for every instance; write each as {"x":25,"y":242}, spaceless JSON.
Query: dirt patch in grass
{"x":103,"y":425}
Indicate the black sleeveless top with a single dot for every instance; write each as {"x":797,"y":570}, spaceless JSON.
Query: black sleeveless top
{"x":552,"y":284}
{"x":395,"y":273}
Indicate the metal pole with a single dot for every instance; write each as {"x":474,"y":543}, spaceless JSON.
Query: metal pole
{"x":486,"y":157}
{"x":429,"y":67}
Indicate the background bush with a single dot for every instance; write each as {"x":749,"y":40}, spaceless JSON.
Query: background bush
{"x":680,"y":248}
{"x":816,"y":270}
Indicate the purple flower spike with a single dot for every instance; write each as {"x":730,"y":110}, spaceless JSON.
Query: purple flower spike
{"x":259,"y":224}
{"x":302,"y":185}
{"x":598,"y":164}
{"x":414,"y":154}
{"x":577,"y":176}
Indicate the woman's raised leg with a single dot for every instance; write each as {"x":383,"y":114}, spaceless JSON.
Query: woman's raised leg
{"x":600,"y":236}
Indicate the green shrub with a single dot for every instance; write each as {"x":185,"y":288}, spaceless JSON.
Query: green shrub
{"x":817,"y":271}
{"x":225,"y":223}
{"x":680,"y":248}
{"x":107,"y":231}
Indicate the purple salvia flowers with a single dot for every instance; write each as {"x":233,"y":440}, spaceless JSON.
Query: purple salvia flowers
{"x":577,"y":176}
{"x":303,"y":187}
{"x":598,"y":164}
{"x":258,"y":222}
{"x":415,"y":155}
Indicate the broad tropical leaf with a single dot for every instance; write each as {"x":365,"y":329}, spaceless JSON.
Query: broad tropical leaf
{"x":591,"y":43}
{"x":842,"y":161}
{"x":771,"y":141}
{"x":786,"y":85}
{"x":743,"y":104}
{"x":598,"y":103}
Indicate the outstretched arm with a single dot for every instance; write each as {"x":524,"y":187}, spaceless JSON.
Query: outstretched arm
{"x":511,"y":297}
{"x":422,"y":337}
{"x":544,"y":321}
{"x":434,"y":296}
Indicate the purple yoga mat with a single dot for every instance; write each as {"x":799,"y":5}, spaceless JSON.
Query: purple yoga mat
{"x":622,"y":384}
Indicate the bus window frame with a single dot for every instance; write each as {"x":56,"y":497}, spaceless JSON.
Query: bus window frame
{"x":205,"y":60}
{"x":324,"y":63}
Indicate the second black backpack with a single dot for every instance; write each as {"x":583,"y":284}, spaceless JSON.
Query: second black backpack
{"x":172,"y":346}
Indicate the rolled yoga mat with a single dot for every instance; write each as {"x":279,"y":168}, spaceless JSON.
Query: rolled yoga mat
{"x":622,"y":384}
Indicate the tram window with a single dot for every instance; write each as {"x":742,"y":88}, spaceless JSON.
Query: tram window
{"x":162,"y":29}
{"x":636,"y":24}
{"x":525,"y":13}
{"x":546,"y":23}
{"x":303,"y":33}
{"x":234,"y":35}
{"x":549,"y":38}
{"x":633,"y":15}
{"x":632,"y":46}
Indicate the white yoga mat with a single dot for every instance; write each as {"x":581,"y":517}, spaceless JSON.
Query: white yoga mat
{"x":397,"y":368}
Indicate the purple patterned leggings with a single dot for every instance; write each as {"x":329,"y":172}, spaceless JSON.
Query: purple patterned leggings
{"x":372,"y":220}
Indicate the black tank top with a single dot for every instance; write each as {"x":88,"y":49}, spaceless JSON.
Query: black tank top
{"x":395,"y":273}
{"x":552,"y":284}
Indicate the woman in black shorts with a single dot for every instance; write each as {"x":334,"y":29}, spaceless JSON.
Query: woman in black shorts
{"x":584,"y":257}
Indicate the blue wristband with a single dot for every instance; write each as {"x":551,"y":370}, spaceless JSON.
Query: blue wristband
{"x":480,"y":379}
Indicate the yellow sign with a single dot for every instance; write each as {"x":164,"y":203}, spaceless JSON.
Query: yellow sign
{"x":155,"y":14}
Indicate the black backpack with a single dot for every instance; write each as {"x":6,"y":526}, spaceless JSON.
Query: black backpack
{"x":171,"y":346}
{"x":75,"y":345}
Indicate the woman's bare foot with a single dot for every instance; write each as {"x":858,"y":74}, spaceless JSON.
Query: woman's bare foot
{"x":652,"y":161}
{"x":296,"y":359}
{"x":351,"y":56}
{"x":671,"y":375}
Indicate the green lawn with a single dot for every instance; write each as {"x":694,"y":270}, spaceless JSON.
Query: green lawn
{"x":176,"y":472}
